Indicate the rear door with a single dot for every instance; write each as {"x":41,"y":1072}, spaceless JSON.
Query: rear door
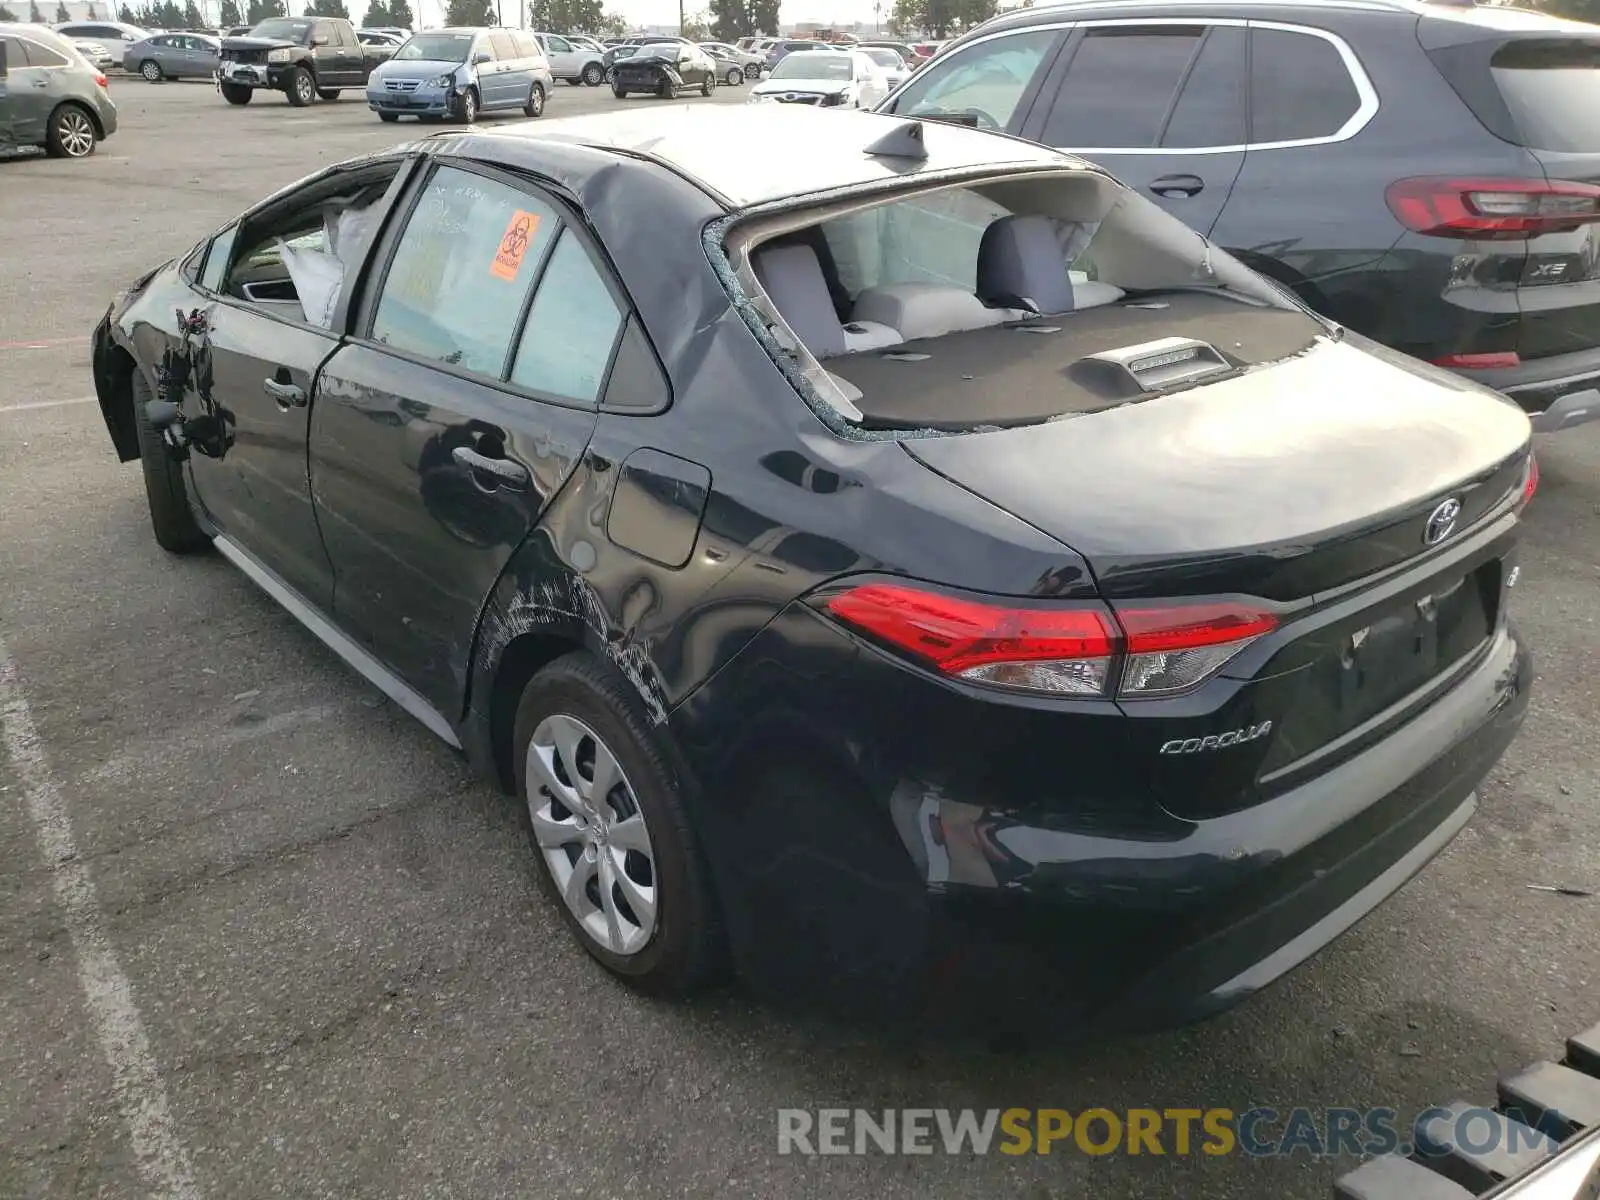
{"x":512,"y":72}
{"x":1161,"y":104}
{"x":8,"y":54}
{"x":35,"y":86}
{"x":464,"y":399}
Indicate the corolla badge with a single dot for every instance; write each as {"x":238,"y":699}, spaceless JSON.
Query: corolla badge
{"x":1441,"y":522}
{"x":1217,"y":741}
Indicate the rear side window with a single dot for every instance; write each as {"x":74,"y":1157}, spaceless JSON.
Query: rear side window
{"x":572,"y":328}
{"x":1212,"y":109}
{"x":989,"y":78}
{"x":1552,"y":90}
{"x":1300,"y":88}
{"x":462,"y":270}
{"x":1119,"y":86}
{"x":42,"y":56}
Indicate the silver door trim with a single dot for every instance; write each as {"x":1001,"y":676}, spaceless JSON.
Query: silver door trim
{"x":375,"y":673}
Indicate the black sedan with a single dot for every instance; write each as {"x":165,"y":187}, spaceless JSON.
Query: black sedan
{"x":665,"y":69}
{"x":872,"y":551}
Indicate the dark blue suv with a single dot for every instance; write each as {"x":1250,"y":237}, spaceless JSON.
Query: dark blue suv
{"x":1424,"y":174}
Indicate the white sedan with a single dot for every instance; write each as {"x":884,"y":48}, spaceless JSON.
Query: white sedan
{"x":827,"y":78}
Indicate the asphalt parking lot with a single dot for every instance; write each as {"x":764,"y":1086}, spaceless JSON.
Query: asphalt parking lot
{"x":262,"y":935}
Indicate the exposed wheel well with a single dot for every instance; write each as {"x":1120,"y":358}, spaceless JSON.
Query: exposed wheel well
{"x":118,"y":384}
{"x":522,"y":658}
{"x":94,"y":117}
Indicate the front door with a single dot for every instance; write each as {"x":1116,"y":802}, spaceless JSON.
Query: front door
{"x":442,"y":431}
{"x":1159,"y":104}
{"x":252,"y":364}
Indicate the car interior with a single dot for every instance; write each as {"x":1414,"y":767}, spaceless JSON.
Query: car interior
{"x":293,"y":261}
{"x":1009,"y":303}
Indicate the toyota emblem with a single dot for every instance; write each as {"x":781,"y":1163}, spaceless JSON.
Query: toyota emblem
{"x":1441,"y":522}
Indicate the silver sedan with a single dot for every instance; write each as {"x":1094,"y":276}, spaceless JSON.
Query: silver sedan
{"x":174,"y":56}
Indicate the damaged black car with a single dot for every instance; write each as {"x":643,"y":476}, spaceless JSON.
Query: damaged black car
{"x":664,"y":69}
{"x":872,"y":552}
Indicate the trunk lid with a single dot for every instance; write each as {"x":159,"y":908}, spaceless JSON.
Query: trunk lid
{"x":1283,"y":482}
{"x":1310,"y":484}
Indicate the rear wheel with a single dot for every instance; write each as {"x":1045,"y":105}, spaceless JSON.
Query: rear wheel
{"x":164,"y":486}
{"x":237,"y":93}
{"x":735,"y":77}
{"x":328,"y":93}
{"x":302,"y":87}
{"x":605,"y":819}
{"x":593,"y":74}
{"x":151,"y":70}
{"x":70,"y":133}
{"x":535,"y":105}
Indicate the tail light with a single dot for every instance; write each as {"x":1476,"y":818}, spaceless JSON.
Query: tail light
{"x":100,"y":79}
{"x":1530,"y":480}
{"x":1492,"y":209}
{"x":1085,"y":650}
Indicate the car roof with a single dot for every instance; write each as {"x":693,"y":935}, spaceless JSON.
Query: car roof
{"x":746,"y":155}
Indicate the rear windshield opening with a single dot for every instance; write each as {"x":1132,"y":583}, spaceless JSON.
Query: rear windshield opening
{"x":986,"y":304}
{"x":1552,"y":89}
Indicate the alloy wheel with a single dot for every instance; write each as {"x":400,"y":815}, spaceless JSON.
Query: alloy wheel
{"x":75,"y":133}
{"x":592,"y":835}
{"x":150,"y":71}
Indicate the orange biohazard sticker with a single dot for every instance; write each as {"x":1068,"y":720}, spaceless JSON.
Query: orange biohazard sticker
{"x":514,"y":245}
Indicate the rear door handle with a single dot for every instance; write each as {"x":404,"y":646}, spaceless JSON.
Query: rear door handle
{"x":1172,"y":186}
{"x":512,"y":476}
{"x":287,"y":395}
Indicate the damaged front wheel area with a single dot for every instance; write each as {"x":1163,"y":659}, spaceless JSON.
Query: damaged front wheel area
{"x":165,"y":488}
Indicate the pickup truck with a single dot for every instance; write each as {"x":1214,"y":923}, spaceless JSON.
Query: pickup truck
{"x":306,"y":58}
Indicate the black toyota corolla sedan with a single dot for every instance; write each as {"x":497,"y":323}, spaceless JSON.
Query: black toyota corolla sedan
{"x":885,"y":552}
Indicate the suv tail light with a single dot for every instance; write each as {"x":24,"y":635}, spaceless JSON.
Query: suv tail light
{"x":1492,"y":209}
{"x":1063,"y":649}
{"x":100,"y":79}
{"x":1530,"y":480}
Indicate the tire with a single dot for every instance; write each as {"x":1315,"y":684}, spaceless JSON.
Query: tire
{"x":301,"y":87}
{"x":390,"y":117}
{"x":151,"y":70}
{"x":619,"y":93}
{"x":535,"y":105}
{"x":327,"y":93}
{"x":680,"y":947}
{"x":164,"y":486}
{"x":665,"y":90}
{"x":593,"y":74}
{"x":735,"y":77}
{"x":237,"y":93}
{"x":707,"y":84}
{"x":464,"y":108}
{"x":573,"y":81}
{"x":611,"y":75}
{"x":70,"y":134}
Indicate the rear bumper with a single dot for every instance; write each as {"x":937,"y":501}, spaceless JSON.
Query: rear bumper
{"x":872,"y":883}
{"x":1558,"y":392}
